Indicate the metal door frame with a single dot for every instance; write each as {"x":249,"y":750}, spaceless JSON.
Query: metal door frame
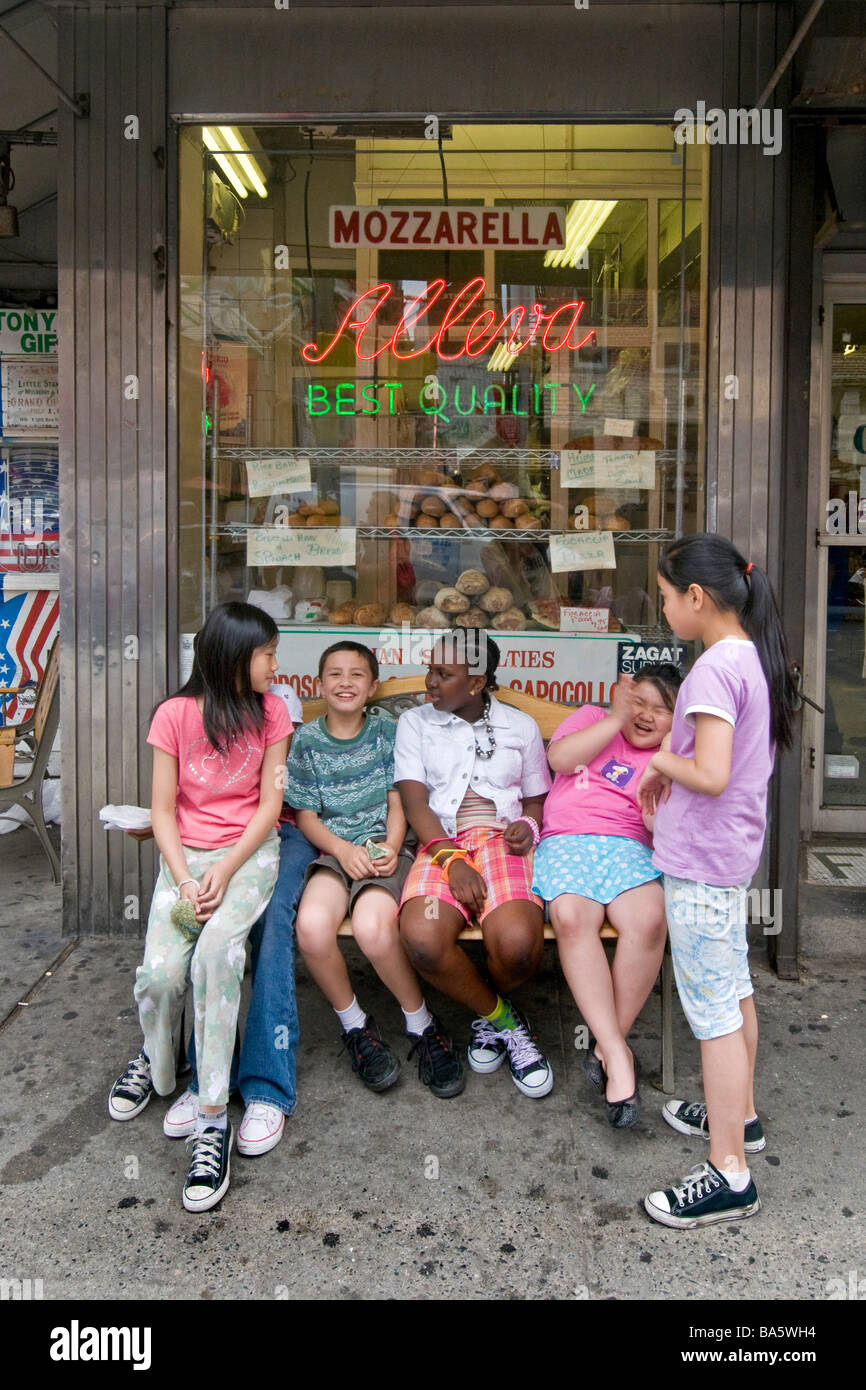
{"x":842,"y":283}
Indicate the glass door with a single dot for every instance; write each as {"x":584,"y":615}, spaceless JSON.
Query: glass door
{"x":840,"y":755}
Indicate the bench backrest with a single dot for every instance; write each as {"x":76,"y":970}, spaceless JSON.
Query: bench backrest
{"x":401,"y":692}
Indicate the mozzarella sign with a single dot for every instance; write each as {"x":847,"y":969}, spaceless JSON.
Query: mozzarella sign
{"x":438,"y":228}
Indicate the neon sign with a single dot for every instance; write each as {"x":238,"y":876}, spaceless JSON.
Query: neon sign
{"x":479,"y":336}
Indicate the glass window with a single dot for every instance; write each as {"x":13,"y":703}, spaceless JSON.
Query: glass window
{"x":401,"y":361}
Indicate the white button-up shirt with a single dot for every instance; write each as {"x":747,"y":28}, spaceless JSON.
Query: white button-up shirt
{"x":438,"y":749}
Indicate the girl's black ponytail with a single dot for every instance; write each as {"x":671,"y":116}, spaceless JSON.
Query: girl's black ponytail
{"x":740,"y":587}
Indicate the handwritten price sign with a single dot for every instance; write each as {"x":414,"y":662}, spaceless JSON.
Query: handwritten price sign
{"x":588,"y":550}
{"x":288,"y":545}
{"x":269,"y":475}
{"x":607,"y":468}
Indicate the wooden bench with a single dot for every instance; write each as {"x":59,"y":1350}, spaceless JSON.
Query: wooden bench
{"x":40,"y":729}
{"x":403,"y":692}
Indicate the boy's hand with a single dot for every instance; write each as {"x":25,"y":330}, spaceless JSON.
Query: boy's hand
{"x":355,"y":861}
{"x":386,"y":865}
{"x":518,"y":837}
{"x":467,"y":885}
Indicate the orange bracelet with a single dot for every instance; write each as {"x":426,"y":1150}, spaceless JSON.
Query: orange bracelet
{"x":458,"y":854}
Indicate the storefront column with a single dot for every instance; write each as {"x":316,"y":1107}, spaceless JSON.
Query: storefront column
{"x":115,"y":505}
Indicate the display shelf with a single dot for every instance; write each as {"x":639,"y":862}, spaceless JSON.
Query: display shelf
{"x":383,"y":456}
{"x":237,"y":531}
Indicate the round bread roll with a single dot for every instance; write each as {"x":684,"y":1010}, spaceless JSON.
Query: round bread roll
{"x":472,"y":582}
{"x":496,"y":600}
{"x":500,"y":523}
{"x":370,"y":614}
{"x":431,"y":617}
{"x":449,"y":520}
{"x":473,"y":617}
{"x":344,"y":613}
{"x":317,"y":519}
{"x":392,"y":519}
{"x":430,"y":477}
{"x":329,"y":506}
{"x":603,"y":504}
{"x":451,"y":601}
{"x":434,"y":506}
{"x":615,"y":523}
{"x":484,"y":472}
{"x":297,"y":519}
{"x":510,"y":620}
{"x":402,"y":613}
{"x":304,"y":508}
{"x":501,"y":492}
{"x":528,"y":522}
{"x":591,"y":522}
{"x":424,"y":522}
{"x":514,"y":507}
{"x":487,"y":508}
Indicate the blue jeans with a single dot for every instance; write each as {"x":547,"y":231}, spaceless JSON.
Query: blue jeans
{"x":264,"y":1065}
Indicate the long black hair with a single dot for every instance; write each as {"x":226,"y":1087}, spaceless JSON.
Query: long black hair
{"x":737,"y":586}
{"x":222,"y":652}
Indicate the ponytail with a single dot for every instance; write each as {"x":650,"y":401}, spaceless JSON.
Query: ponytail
{"x":742,"y":588}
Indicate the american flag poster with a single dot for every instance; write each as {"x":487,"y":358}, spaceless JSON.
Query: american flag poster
{"x":28,"y":625}
{"x":29,"y":509}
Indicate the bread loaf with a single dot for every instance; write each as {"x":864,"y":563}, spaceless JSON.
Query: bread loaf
{"x":424,"y":522}
{"x":500,"y":523}
{"x":496,"y":600}
{"x":472,"y":582}
{"x":510,"y":620}
{"x":450,"y":520}
{"x":451,"y":601}
{"x":503,"y":492}
{"x":473,"y":617}
{"x":431,"y":617}
{"x":487,"y":508}
{"x":527,"y":521}
{"x":401,"y":613}
{"x":614,"y":523}
{"x":343,"y":613}
{"x":370,"y":614}
{"x":514,"y":507}
{"x":318,"y":519}
{"x":329,"y":506}
{"x":392,"y":519}
{"x":434,"y":506}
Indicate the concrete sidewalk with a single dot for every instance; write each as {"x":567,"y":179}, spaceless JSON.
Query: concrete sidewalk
{"x":404,"y":1196}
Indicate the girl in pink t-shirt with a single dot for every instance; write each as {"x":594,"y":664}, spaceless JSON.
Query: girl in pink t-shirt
{"x":595,"y":860}
{"x":219,"y":758}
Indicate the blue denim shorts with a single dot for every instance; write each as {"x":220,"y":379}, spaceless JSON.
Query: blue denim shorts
{"x":707,"y":928}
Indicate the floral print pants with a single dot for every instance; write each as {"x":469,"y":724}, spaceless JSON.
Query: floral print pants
{"x":214,"y":963}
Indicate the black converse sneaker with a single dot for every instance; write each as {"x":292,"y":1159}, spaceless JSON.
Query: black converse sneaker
{"x":208,"y":1178}
{"x":530,"y":1070}
{"x":691,"y":1118}
{"x":439,"y":1066}
{"x":371,"y":1056}
{"x":131,"y":1091}
{"x":702,"y":1198}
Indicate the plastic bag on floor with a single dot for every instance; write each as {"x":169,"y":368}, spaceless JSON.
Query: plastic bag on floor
{"x":17,"y":815}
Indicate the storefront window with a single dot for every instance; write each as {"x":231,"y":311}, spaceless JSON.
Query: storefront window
{"x":438,"y":382}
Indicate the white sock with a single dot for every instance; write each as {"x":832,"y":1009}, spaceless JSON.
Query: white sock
{"x":218,"y":1121}
{"x":738,"y":1182}
{"x":353,"y":1017}
{"x":750,"y":1119}
{"x":418,"y":1019}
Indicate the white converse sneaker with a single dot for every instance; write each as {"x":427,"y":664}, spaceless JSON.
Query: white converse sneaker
{"x":261,"y":1129}
{"x":180,"y":1118}
{"x":486,"y":1051}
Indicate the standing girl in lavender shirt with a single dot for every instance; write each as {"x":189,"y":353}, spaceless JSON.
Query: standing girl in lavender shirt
{"x":709,"y":792}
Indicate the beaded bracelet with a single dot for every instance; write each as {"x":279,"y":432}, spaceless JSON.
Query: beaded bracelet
{"x":533,"y":825}
{"x":180,"y":885}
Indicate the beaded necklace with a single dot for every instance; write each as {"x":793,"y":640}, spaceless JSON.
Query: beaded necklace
{"x":486,"y":754}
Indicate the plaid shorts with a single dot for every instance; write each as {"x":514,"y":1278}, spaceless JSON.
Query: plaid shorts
{"x":507,"y":876}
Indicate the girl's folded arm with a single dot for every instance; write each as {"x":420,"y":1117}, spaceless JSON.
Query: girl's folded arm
{"x":269,"y":807}
{"x":578,"y":749}
{"x":416,"y":803}
{"x":163,"y":816}
{"x":709,"y":771}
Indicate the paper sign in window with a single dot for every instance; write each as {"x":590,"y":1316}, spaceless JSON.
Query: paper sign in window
{"x":587,"y":550}
{"x":286,"y":474}
{"x":607,"y":468}
{"x":288,"y":545}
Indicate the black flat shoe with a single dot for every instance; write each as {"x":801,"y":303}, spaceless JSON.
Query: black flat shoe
{"x":594,"y":1068}
{"x":622,"y":1114}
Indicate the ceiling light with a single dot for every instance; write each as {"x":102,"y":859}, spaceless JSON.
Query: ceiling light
{"x":583,"y":221}
{"x":235,"y":142}
{"x":228,"y":169}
